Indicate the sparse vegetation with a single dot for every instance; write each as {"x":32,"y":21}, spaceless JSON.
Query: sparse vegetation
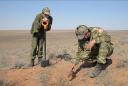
{"x":61,"y":48}
{"x":2,"y":83}
{"x":123,"y":63}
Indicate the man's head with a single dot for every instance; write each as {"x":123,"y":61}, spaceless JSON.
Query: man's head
{"x":82,"y":32}
{"x":46,"y":12}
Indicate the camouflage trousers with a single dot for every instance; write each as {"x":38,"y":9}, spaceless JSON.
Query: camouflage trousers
{"x":37,"y":47}
{"x":99,"y":53}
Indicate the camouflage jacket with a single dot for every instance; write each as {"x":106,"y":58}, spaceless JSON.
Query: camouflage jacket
{"x":37,"y":27}
{"x":99,"y":38}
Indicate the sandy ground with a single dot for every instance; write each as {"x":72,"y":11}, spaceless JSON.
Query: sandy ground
{"x":15,"y":49}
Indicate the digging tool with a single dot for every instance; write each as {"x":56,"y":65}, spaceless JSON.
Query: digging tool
{"x":45,"y":61}
{"x":72,"y":74}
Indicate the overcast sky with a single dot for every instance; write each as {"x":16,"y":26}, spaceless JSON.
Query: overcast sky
{"x":67,"y":15}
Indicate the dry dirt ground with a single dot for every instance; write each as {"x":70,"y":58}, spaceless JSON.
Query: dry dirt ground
{"x":15,"y":49}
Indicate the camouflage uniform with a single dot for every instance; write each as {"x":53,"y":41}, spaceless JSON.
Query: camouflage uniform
{"x":37,"y":32}
{"x":103,"y":47}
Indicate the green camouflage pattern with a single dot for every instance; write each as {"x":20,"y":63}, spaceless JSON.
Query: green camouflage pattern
{"x":102,"y":49}
{"x":80,"y":31}
{"x":37,"y":27}
{"x":46,"y":10}
{"x":37,"y":32}
{"x":37,"y":47}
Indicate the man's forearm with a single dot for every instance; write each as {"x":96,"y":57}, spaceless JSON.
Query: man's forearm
{"x":90,"y":45}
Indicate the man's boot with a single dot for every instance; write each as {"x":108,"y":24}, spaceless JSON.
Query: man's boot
{"x":97,"y":71}
{"x":31,"y":63}
{"x":39,"y":60}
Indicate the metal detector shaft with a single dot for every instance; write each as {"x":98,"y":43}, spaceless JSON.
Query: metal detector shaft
{"x":44,"y":45}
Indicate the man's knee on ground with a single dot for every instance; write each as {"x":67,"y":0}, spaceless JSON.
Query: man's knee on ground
{"x":84,"y":55}
{"x":101,"y":60}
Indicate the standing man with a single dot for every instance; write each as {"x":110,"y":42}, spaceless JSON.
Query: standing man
{"x":37,"y":32}
{"x":94,"y":46}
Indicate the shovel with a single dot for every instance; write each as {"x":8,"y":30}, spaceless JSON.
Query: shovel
{"x":45,"y":61}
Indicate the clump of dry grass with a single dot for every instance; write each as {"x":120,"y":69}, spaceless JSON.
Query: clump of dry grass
{"x":122,"y":63}
{"x":3,"y":61}
{"x":18,"y":65}
{"x":63,"y":54}
{"x":3,"y":83}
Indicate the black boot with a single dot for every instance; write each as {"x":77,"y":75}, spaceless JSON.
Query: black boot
{"x":97,"y":71}
{"x":39,"y":60}
{"x":31,"y":63}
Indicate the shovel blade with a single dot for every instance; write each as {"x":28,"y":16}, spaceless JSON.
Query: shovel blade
{"x":44,"y":63}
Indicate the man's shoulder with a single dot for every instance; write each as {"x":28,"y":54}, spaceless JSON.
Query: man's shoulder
{"x":38,"y":15}
{"x":93,"y":29}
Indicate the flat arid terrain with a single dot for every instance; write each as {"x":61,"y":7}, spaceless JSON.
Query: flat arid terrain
{"x":15,"y":49}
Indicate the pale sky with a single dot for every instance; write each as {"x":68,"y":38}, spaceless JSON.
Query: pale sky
{"x":67,"y":15}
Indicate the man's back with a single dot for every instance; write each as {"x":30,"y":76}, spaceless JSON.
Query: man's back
{"x":99,"y":37}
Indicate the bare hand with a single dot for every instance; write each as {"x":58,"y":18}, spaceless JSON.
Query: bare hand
{"x":44,"y":19}
{"x":90,"y":45}
{"x":101,"y":31}
{"x":72,"y":72}
{"x":73,"y":67}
